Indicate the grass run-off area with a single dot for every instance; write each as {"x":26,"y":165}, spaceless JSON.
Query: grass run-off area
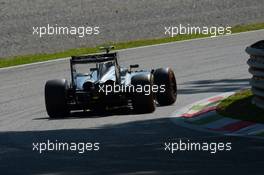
{"x":25,"y":59}
{"x":239,"y":106}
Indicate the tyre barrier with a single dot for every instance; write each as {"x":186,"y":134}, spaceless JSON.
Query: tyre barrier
{"x":256,"y":68}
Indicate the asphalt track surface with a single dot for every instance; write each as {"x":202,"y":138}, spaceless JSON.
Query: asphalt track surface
{"x":119,"y":20}
{"x":129,"y":143}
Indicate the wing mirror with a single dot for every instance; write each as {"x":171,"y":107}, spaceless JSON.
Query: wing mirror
{"x":132,"y":66}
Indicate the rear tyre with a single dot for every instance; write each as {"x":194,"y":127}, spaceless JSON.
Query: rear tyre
{"x":143,"y":102}
{"x":56,"y":98}
{"x":165,"y":77}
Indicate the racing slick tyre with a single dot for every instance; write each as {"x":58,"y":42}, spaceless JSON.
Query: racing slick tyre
{"x":165,"y":77}
{"x":142,"y":102}
{"x":55,"y":98}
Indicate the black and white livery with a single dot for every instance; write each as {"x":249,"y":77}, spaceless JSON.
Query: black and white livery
{"x":99,"y":83}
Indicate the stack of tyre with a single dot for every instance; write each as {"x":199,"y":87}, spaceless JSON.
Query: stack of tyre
{"x":256,"y":68}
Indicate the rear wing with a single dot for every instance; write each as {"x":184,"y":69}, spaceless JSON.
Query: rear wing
{"x":95,"y":58}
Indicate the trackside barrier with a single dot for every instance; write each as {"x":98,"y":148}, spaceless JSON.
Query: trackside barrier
{"x":256,"y":68}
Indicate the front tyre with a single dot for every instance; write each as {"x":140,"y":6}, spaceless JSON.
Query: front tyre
{"x":165,"y":77}
{"x":56,"y":98}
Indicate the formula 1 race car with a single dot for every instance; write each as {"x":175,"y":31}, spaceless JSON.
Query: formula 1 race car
{"x":99,"y":83}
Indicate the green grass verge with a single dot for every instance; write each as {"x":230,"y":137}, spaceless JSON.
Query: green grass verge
{"x":25,"y":59}
{"x":239,"y":106}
